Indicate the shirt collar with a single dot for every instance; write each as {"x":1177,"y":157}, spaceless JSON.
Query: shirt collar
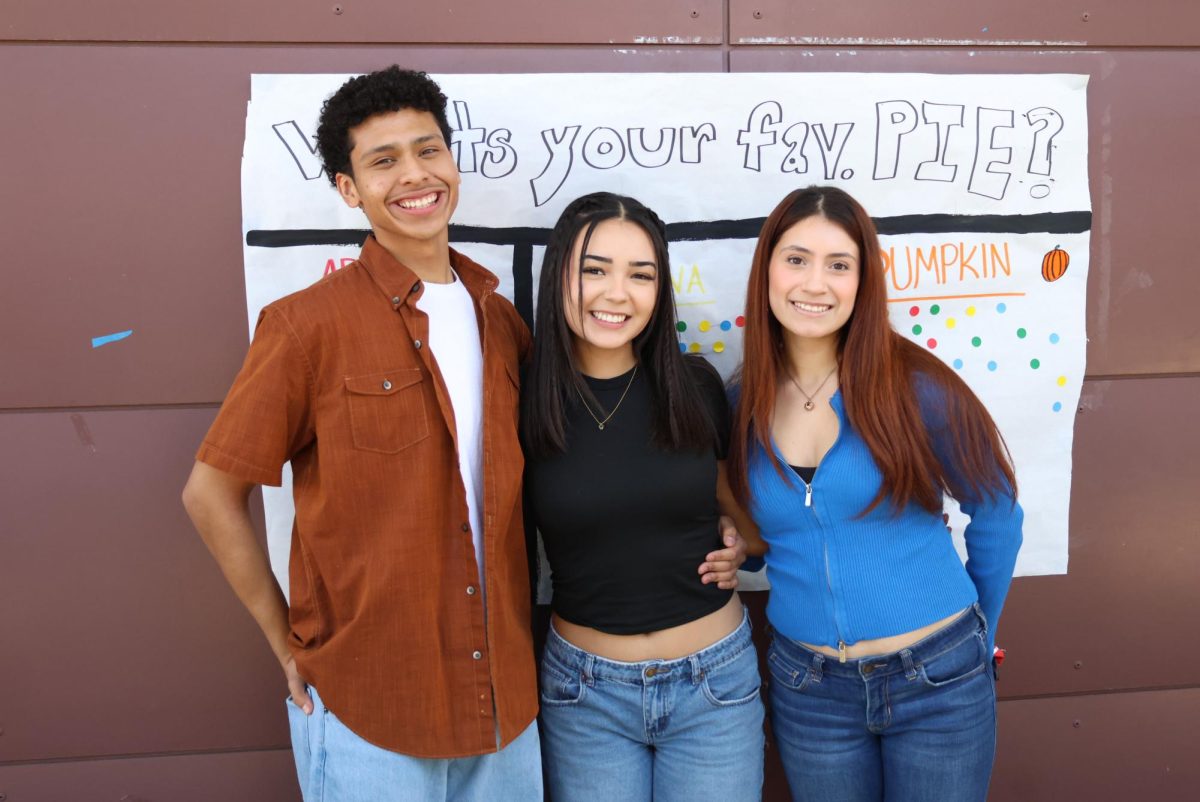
{"x":402,"y":286}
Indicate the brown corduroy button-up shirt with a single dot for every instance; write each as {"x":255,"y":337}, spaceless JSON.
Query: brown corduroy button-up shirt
{"x":386,"y":619}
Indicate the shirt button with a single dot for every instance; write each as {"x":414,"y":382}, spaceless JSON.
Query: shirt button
{"x":387,"y":385}
{"x":417,"y":344}
{"x":396,"y":299}
{"x":477,"y":655}
{"x":470,"y":590}
{"x":466,"y":527}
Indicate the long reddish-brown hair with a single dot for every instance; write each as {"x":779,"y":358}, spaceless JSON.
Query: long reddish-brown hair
{"x":876,"y":371}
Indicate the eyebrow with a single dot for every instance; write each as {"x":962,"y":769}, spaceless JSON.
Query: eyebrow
{"x":806,"y":250}
{"x":421,"y":140}
{"x":609,"y":261}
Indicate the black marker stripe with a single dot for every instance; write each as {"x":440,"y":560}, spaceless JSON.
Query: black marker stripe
{"x":1047,"y":223}
{"x":522,"y":268}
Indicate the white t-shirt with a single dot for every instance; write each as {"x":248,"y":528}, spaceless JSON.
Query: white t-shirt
{"x":454,"y":340}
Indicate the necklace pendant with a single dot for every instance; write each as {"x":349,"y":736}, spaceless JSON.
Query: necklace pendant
{"x":808,"y":406}
{"x":601,"y":425}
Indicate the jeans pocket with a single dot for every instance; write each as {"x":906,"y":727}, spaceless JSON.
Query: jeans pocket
{"x":784,"y":673}
{"x":735,"y":682}
{"x":961,"y":661}
{"x":559,"y":686}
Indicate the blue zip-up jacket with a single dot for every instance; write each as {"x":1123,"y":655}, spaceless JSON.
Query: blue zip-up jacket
{"x":837,"y":578}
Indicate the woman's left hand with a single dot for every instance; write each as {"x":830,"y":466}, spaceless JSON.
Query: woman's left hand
{"x":722,"y":566}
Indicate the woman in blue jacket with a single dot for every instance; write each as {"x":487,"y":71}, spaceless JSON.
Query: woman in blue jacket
{"x":845,"y":438}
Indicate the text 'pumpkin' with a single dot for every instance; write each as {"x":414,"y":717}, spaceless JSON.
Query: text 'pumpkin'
{"x":1054,"y":264}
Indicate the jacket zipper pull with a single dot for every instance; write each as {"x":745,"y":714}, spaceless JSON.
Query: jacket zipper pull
{"x":841,"y":651}
{"x":808,"y":495}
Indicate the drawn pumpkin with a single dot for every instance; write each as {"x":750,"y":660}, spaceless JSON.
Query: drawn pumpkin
{"x":1054,"y":264}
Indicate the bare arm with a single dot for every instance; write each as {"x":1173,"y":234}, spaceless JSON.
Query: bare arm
{"x":755,"y":545}
{"x":217,"y":504}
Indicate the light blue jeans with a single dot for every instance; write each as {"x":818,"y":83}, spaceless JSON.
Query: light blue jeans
{"x":335,"y":765}
{"x":913,"y":726}
{"x":687,"y":729}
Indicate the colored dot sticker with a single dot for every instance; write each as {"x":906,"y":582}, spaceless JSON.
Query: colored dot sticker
{"x":726,"y":325}
{"x":1054,"y":338}
{"x":1020,"y":332}
{"x":932,"y":343}
{"x":933,"y":310}
{"x":950,"y":323}
{"x":681,"y":326}
{"x":739,"y":321}
{"x":970,"y":311}
{"x":718,"y":347}
{"x":683,"y":348}
{"x":976,"y":341}
{"x":694,"y":348}
{"x":1035,"y":363}
{"x":1062,"y":381}
{"x":1057,"y":406}
{"x":992,"y":365}
{"x":916,"y":329}
{"x":916,"y":310}
{"x":704,"y":325}
{"x":1002,"y":307}
{"x":958,"y":363}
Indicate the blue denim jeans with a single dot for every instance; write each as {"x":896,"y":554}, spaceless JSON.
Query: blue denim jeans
{"x":913,"y":726}
{"x":685,"y":729}
{"x":335,"y":765}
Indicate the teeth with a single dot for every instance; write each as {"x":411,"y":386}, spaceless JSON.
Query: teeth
{"x":418,"y":203}
{"x":609,"y":318}
{"x":811,"y":307}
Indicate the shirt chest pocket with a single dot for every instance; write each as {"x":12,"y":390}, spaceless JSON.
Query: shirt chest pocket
{"x":387,"y":410}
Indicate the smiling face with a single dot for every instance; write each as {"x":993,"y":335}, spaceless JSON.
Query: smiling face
{"x":813,"y":279}
{"x":405,"y":179}
{"x":609,"y":294}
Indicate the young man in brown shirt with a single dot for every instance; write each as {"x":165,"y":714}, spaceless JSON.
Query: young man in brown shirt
{"x":393,"y":393}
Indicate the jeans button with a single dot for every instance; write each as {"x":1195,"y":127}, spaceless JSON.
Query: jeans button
{"x":650,"y":672}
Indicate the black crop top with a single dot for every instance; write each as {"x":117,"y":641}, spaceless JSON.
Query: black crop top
{"x":626,"y":524}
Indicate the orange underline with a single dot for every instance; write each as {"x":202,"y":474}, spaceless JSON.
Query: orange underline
{"x":948,"y":297}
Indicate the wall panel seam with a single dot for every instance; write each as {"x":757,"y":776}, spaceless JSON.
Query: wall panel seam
{"x":1098,"y":692}
{"x":144,"y":756}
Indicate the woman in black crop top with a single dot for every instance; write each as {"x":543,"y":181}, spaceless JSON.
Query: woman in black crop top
{"x":649,"y":680}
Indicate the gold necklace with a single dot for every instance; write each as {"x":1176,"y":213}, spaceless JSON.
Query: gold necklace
{"x":600,"y":423}
{"x":808,"y":399}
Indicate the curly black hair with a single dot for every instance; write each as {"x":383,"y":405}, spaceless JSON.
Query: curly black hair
{"x":362,"y":97}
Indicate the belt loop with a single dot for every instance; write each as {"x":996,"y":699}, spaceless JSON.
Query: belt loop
{"x":817,"y":662}
{"x":982,"y":618}
{"x":697,"y":669}
{"x":910,"y":670}
{"x":589,"y":662}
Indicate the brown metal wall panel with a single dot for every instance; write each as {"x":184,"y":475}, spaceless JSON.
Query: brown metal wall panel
{"x":268,"y":776}
{"x":1140,"y":309}
{"x":1099,"y":23}
{"x":1110,"y":747}
{"x":123,"y":210}
{"x":120,"y":635}
{"x":1124,"y":615}
{"x":368,"y":21}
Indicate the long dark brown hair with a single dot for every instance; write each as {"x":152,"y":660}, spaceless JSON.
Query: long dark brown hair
{"x":877,"y":369}
{"x":553,"y":383}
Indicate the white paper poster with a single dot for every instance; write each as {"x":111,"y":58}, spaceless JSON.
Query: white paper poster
{"x":978,"y":184}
